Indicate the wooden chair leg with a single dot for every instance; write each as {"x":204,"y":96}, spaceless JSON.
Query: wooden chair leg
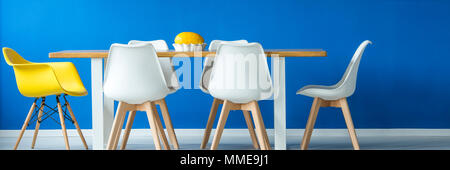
{"x":162,"y":134}
{"x":75,"y":122}
{"x":209,"y":125}
{"x":266,"y":139}
{"x":25,"y":124}
{"x":221,"y":124}
{"x":349,"y":122}
{"x":120,"y":115}
{"x":119,"y":130}
{"x":63,"y":124}
{"x":38,"y":123}
{"x":128,"y":129}
{"x":310,"y":124}
{"x":168,"y":123}
{"x":251,"y":129}
{"x":260,"y":128}
{"x":153,"y":126}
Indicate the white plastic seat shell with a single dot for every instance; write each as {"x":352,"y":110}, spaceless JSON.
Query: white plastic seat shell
{"x":240,"y":73}
{"x":345,"y":87}
{"x":133,"y":74}
{"x":209,"y":62}
{"x":166,"y":63}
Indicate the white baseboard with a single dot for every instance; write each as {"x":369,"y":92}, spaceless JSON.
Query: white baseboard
{"x":242,"y":132}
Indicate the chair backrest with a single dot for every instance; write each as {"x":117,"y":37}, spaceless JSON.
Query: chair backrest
{"x":166,"y":63}
{"x":133,"y":74}
{"x":348,"y":80}
{"x":215,"y":43}
{"x":160,"y":45}
{"x":240,"y":73}
{"x":12,"y":57}
{"x":209,"y":62}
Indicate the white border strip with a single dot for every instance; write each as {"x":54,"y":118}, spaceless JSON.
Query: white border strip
{"x":244,"y":132}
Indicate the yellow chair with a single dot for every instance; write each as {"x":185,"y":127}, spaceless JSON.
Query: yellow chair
{"x":40,"y":80}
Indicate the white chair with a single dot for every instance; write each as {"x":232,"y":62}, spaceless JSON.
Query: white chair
{"x":134,"y":77}
{"x":204,"y":82}
{"x":334,"y":96}
{"x":240,"y":77}
{"x":172,"y":83}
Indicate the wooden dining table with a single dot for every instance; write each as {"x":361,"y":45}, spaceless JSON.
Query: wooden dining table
{"x":103,"y":107}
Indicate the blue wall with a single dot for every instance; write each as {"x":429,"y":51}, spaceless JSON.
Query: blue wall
{"x":403,"y":80}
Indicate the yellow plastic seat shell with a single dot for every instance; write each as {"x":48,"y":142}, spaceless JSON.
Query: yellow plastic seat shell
{"x":44,"y":79}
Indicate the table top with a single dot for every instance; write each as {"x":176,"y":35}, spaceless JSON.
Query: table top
{"x":172,"y":53}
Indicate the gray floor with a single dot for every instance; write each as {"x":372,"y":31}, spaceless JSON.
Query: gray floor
{"x":244,"y":142}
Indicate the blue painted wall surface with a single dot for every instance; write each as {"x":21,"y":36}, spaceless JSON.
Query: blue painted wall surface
{"x":403,"y":81}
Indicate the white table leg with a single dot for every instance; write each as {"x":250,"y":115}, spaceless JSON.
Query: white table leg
{"x":102,"y":107}
{"x":108,"y":114}
{"x":279,"y":102}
